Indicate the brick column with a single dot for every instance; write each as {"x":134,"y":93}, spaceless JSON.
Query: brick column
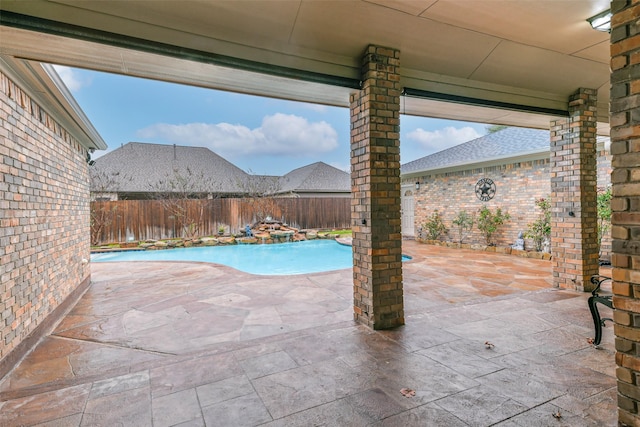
{"x":574,"y":239}
{"x":375,"y":186}
{"x":625,"y":204}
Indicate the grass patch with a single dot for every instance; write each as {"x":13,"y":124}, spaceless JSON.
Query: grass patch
{"x":335,"y":233}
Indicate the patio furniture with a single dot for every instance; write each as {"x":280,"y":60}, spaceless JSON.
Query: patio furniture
{"x":594,"y":299}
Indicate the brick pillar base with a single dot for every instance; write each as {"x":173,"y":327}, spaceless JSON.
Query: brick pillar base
{"x":574,"y":239}
{"x":625,"y":204}
{"x":375,"y":181}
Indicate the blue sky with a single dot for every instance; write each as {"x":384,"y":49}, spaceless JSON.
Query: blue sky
{"x":260,"y":135}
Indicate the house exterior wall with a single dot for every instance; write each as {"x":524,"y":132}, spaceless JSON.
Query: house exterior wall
{"x":44,"y":220}
{"x":625,"y":204}
{"x":518,"y":185}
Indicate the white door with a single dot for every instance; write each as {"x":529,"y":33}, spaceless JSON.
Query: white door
{"x":407,"y":212}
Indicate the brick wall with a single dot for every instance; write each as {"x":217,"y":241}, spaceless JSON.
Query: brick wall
{"x":375,"y":182}
{"x":625,"y":204}
{"x":44,"y":217}
{"x":455,"y":191}
{"x":518,"y":185}
{"x":574,"y":245}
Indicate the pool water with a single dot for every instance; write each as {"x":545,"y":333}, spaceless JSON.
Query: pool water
{"x":310,"y":256}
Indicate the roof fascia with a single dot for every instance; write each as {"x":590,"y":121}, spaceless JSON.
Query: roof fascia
{"x":46,"y":88}
{"x":496,"y":161}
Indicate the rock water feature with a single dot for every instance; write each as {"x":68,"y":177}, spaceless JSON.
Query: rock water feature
{"x":271,"y":231}
{"x":266,"y":232}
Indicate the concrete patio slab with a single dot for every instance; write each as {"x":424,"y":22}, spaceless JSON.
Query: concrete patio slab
{"x":487,"y":341}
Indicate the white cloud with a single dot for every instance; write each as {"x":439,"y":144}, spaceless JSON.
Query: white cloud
{"x":279,"y":134}
{"x":342,"y":166}
{"x":438,"y":140}
{"x":71,"y":78}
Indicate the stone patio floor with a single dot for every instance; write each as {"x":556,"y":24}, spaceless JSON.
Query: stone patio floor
{"x":196,"y":344}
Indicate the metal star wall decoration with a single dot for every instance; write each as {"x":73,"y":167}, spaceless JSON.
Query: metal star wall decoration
{"x":485,"y":189}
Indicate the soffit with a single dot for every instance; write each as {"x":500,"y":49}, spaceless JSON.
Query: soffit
{"x":534,"y":53}
{"x":44,"y":86}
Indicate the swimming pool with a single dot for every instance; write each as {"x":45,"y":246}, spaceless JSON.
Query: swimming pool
{"x":310,"y":256}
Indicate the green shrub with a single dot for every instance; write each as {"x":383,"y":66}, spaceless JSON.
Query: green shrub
{"x":540,"y":229}
{"x":488,"y":222}
{"x":463,"y":223}
{"x":604,"y":213}
{"x":434,"y":226}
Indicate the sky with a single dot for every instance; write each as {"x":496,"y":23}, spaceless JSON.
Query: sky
{"x":259,"y":135}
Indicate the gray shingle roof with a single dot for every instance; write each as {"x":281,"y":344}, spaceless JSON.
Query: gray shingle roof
{"x":316,"y":177}
{"x":509,"y":142}
{"x":141,"y":166}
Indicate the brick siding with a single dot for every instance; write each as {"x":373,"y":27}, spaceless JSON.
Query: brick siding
{"x":452,"y":192}
{"x":518,"y":186}
{"x":625,"y":204}
{"x":44,"y":215}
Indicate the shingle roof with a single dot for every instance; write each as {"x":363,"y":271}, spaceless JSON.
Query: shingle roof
{"x":141,"y":166}
{"x":509,"y":142}
{"x":316,"y":177}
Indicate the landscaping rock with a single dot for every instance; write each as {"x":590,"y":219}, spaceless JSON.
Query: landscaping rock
{"x":518,"y":252}
{"x":247,"y":240}
{"x":227,"y":240}
{"x":209,"y":241}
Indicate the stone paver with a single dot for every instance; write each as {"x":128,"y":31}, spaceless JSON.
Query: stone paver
{"x":164,"y":344}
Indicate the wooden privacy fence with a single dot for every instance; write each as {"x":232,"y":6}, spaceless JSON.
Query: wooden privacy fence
{"x":126,"y":220}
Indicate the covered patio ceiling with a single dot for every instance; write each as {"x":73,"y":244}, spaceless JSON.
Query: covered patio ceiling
{"x":490,"y":61}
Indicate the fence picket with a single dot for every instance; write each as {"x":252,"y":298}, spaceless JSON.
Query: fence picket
{"x":147,"y":219}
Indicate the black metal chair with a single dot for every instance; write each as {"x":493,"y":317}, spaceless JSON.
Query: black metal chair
{"x":596,"y":298}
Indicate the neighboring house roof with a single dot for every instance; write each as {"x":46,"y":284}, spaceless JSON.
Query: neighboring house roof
{"x":142,"y":166}
{"x":317,"y":177}
{"x":139,"y":168}
{"x":512,"y":142}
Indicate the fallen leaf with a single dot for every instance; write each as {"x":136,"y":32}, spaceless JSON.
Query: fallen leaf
{"x":407,"y":392}
{"x":590,"y":340}
{"x":488,"y":345}
{"x":557,"y":415}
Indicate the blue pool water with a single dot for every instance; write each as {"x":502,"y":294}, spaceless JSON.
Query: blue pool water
{"x":311,"y":256}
